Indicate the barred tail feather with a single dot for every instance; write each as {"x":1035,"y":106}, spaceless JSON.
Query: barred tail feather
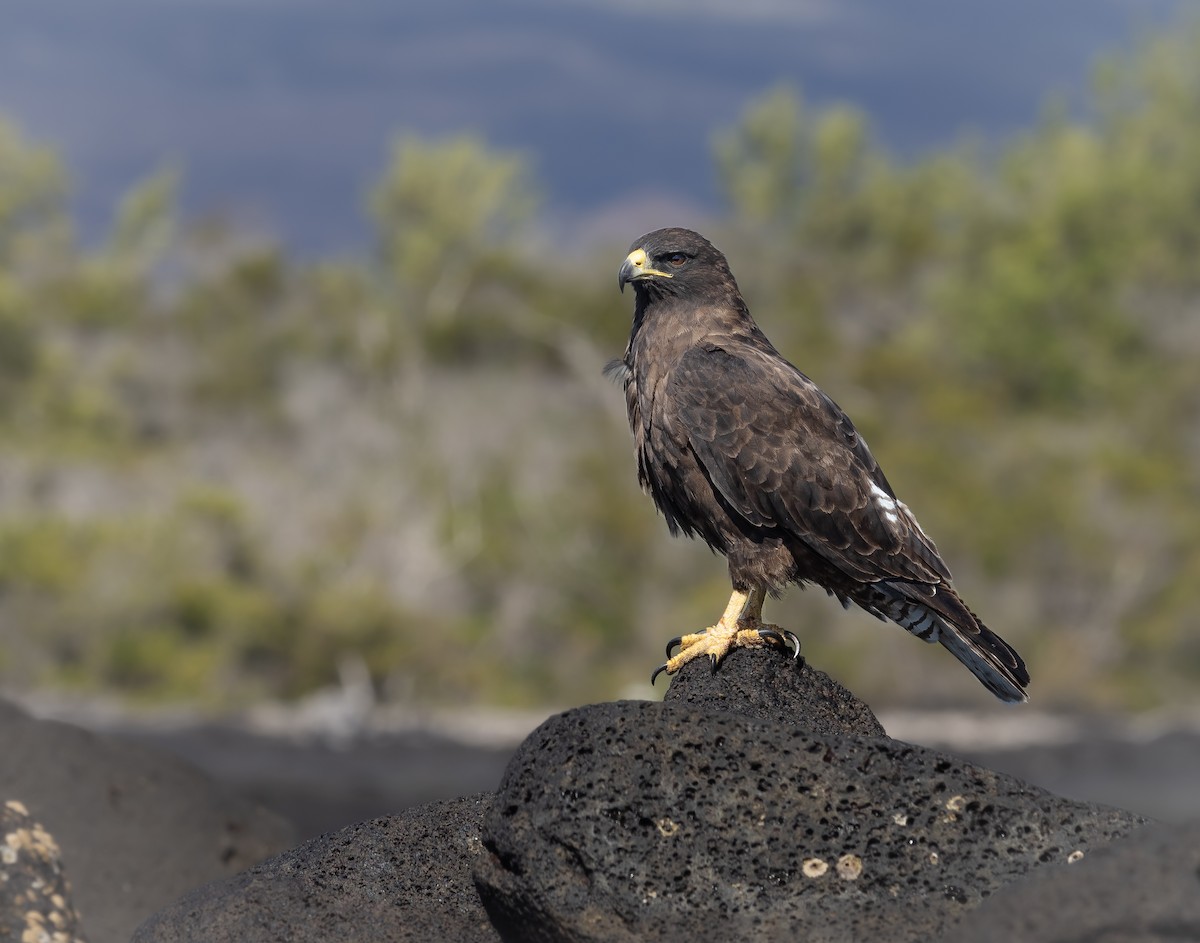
{"x":936,"y":614}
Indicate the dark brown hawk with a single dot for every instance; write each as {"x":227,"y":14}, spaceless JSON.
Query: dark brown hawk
{"x":738,"y":447}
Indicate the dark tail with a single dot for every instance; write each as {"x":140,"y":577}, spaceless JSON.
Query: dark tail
{"x":991,"y":659}
{"x":936,"y":614}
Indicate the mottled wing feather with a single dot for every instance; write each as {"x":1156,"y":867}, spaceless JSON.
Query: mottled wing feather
{"x":782,"y":454}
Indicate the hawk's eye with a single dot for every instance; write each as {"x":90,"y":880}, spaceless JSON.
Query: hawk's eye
{"x":677,"y":259}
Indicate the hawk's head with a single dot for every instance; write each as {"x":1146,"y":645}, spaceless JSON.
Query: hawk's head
{"x":674,"y":262}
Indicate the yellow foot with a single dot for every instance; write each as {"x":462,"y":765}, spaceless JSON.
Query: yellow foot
{"x":739,"y":627}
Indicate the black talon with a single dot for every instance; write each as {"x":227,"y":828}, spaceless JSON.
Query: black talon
{"x":657,"y":671}
{"x":790,"y":639}
{"x":677,"y":640}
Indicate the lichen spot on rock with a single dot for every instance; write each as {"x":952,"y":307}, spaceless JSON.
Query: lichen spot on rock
{"x":666,"y":827}
{"x":814,"y":867}
{"x":849,"y":867}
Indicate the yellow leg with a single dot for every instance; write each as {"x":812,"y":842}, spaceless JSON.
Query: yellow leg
{"x":740,"y":626}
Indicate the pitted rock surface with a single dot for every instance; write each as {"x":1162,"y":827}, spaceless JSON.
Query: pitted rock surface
{"x":406,"y":877}
{"x":1144,"y":888}
{"x":35,"y":897}
{"x":768,"y":685}
{"x":643,"y":821}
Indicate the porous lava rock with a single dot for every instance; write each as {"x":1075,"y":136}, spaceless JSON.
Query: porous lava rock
{"x":691,"y":820}
{"x":1144,"y":888}
{"x":782,"y":690}
{"x":35,"y":896}
{"x":406,"y":877}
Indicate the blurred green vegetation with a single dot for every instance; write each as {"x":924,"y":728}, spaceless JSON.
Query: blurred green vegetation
{"x":226,"y":470}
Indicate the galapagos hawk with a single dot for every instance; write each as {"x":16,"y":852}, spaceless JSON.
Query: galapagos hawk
{"x":739,"y":448}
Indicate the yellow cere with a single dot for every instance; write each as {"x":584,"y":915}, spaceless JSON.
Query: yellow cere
{"x":638,"y":259}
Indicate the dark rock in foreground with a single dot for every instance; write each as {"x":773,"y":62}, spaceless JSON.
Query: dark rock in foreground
{"x":406,"y":877}
{"x":688,"y":820}
{"x":1141,"y":889}
{"x":760,"y":803}
{"x":135,"y":829}
{"x":35,"y":898}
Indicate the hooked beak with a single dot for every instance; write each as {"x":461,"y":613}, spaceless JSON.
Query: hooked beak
{"x":636,"y":266}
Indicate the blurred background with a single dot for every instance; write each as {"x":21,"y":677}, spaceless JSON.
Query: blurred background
{"x":303,"y":309}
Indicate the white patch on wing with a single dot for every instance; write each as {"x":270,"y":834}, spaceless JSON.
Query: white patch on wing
{"x":886,"y":503}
